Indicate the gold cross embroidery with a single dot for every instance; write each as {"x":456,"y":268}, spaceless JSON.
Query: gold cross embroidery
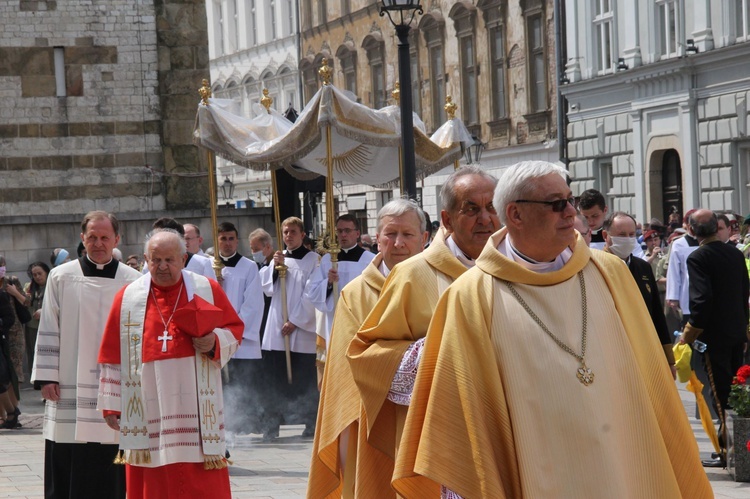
{"x":132,"y":338}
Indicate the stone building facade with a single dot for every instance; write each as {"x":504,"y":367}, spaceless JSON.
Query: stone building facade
{"x":657,"y":103}
{"x":97,"y":104}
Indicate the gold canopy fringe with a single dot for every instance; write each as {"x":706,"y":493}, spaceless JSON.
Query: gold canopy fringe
{"x":215,"y":462}
{"x":138,"y":456}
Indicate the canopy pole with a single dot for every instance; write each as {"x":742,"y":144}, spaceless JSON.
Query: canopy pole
{"x":450,"y":111}
{"x":217,"y":264}
{"x":333,"y":247}
{"x":266,"y":102}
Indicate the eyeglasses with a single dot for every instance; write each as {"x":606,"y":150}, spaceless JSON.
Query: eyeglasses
{"x":557,"y":205}
{"x":345,"y":231}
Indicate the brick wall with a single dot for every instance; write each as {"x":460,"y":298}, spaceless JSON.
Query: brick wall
{"x":130,"y":73}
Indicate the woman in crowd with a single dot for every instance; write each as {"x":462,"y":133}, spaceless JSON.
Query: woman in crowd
{"x":9,"y":393}
{"x":38,"y":272}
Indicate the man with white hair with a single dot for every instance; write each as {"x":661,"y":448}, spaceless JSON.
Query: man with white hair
{"x":167,"y":336}
{"x":401,"y":233}
{"x":385,"y":353}
{"x":518,"y":395}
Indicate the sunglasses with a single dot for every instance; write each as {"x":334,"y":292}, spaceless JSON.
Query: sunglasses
{"x":557,"y":206}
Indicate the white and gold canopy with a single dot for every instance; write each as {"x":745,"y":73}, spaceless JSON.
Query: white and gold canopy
{"x":364,"y":143}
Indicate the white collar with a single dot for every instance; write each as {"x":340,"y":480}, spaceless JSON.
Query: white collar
{"x":99,"y":266}
{"x":506,"y":248}
{"x":383,"y":268}
{"x":347,"y":250}
{"x":227,"y":258}
{"x":458,"y":253}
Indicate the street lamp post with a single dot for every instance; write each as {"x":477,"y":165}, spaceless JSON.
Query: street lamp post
{"x":227,"y":190}
{"x":403,"y":9}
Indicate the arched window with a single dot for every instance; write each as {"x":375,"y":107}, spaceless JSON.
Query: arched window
{"x":347,"y":56}
{"x":373,"y":44}
{"x":288,"y":83}
{"x":463,"y":17}
{"x":309,"y":79}
{"x":494,"y":19}
{"x":432,"y":27}
{"x":533,"y":11}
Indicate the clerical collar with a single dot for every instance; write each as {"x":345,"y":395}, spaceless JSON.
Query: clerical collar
{"x":352,"y":254}
{"x":232,"y":261}
{"x":171,"y":287}
{"x":506,"y":248}
{"x":297,"y":253}
{"x":466,"y":260}
{"x":383,"y":268}
{"x":92,"y":269}
{"x":226,"y":258}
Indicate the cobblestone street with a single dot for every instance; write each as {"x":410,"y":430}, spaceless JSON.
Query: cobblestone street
{"x":260,"y":470}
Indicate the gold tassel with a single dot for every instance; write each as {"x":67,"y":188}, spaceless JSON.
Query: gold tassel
{"x":215,"y":462}
{"x":119,"y":457}
{"x":136,"y":456}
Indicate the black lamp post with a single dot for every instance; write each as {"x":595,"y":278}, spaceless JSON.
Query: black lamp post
{"x":401,"y":13}
{"x":227,"y":189}
{"x":474,"y":151}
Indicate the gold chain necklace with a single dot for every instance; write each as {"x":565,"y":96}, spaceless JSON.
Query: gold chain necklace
{"x":584,"y":374}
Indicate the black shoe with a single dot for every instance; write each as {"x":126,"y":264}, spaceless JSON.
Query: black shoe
{"x":714,"y":463}
{"x":11,"y":421}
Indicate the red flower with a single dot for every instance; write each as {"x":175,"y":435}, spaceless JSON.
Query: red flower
{"x":739,"y":380}
{"x":744,"y":372}
{"x":748,"y":445}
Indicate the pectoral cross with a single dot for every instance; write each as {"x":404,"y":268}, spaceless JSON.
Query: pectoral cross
{"x":166,"y":337}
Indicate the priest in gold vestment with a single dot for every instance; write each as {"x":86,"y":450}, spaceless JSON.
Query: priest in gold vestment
{"x":385,"y":353}
{"x":400,"y":234}
{"x":542,"y":375}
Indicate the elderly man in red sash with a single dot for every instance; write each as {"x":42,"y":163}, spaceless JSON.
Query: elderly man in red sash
{"x":167,"y":337}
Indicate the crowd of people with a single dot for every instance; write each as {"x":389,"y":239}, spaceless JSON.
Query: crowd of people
{"x":532,"y":330}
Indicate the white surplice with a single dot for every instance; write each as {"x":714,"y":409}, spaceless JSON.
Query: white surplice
{"x":74,"y":313}
{"x":316,"y":289}
{"x":242,"y":285}
{"x":301,"y":311}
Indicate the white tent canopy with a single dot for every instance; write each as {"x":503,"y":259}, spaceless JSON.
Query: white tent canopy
{"x":364,"y":143}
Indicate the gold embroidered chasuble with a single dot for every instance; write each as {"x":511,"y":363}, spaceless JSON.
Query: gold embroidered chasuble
{"x":340,"y":403}
{"x":497,"y":410}
{"x":400,"y":317}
